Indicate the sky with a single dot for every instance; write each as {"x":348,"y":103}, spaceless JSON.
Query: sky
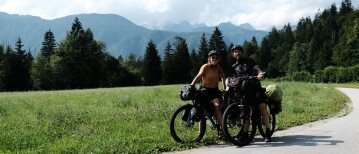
{"x":261,"y":14}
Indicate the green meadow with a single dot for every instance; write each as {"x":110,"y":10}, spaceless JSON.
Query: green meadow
{"x":129,"y":119}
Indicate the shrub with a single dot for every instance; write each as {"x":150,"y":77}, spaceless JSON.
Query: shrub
{"x":353,"y":72}
{"x":319,"y":76}
{"x":343,"y":75}
{"x":299,"y":76}
{"x":330,"y":74}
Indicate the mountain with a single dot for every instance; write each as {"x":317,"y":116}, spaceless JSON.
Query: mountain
{"x":185,"y":26}
{"x":121,"y":36}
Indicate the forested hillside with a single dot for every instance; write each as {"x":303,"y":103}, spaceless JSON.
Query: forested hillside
{"x":323,"y":49}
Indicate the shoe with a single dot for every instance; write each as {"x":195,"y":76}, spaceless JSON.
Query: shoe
{"x":220,"y":135}
{"x":268,"y":137}
{"x":244,"y":136}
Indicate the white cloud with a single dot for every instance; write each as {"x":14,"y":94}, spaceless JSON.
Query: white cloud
{"x":261,"y":14}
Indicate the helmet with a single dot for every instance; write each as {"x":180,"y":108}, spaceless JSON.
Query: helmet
{"x":238,"y":47}
{"x":213,"y":52}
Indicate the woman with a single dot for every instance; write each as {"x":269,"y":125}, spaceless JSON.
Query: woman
{"x":210,"y":73}
{"x":245,"y":67}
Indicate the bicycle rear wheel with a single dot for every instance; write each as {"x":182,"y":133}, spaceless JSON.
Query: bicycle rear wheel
{"x":238,"y":126}
{"x":185,"y":130}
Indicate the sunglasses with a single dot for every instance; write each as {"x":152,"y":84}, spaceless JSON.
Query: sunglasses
{"x":215,"y":57}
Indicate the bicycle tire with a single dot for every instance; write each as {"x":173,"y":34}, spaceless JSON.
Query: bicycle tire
{"x":186,"y":131}
{"x":233,"y":125}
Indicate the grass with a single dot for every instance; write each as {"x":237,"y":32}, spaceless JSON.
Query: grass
{"x":129,"y":119}
{"x":347,"y":85}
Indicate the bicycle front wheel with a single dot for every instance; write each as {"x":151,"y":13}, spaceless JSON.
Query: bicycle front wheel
{"x":185,"y":130}
{"x":237,"y":125}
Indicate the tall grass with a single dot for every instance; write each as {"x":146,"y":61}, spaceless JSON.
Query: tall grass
{"x":127,"y":120}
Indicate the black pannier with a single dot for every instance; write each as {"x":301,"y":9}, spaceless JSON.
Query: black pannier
{"x":186,"y":113}
{"x":187,"y":93}
{"x":275,"y":107}
{"x":245,"y":86}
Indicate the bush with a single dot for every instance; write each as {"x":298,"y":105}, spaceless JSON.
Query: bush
{"x":343,"y":75}
{"x":353,"y":72}
{"x":330,"y":74}
{"x":300,"y":76}
{"x":319,"y":76}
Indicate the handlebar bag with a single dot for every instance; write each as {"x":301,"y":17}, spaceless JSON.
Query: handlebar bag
{"x":187,"y":93}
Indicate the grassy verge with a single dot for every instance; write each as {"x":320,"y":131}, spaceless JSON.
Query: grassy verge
{"x":347,"y":85}
{"x":128,"y":120}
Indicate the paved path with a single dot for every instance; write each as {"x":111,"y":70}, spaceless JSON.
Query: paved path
{"x":331,"y":136}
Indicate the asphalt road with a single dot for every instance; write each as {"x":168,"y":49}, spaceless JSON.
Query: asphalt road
{"x":331,"y":136}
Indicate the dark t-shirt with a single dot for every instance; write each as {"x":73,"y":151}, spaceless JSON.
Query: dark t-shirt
{"x":244,"y":67}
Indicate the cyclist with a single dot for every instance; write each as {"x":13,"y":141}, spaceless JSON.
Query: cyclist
{"x":245,"y":67}
{"x":210,"y":73}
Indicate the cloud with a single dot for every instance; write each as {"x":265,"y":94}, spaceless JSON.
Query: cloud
{"x":261,"y":14}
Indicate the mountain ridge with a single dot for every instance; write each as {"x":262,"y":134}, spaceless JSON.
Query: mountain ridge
{"x":121,"y":36}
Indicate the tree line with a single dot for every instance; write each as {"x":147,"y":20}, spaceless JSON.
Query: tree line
{"x":79,"y":61}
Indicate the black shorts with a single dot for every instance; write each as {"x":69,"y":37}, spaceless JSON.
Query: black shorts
{"x":213,"y":93}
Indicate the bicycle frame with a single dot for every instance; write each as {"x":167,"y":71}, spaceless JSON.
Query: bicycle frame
{"x":210,"y":116}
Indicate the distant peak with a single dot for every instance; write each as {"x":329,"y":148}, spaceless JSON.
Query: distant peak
{"x":246,"y":26}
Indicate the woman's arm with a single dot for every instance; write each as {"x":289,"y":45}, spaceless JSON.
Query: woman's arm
{"x":223,"y":77}
{"x":196,"y":79}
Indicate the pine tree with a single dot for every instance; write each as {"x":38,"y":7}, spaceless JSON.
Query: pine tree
{"x":297,"y":58}
{"x":182,"y":61}
{"x":114,"y":74}
{"x":346,"y":53}
{"x":41,"y":72}
{"x":24,"y":67}
{"x":2,"y":57}
{"x":168,"y":66}
{"x":2,"y":54}
{"x":152,"y":71}
{"x":8,"y":70}
{"x":48,"y":45}
{"x":16,"y":69}
{"x":304,"y":31}
{"x":80,"y":58}
{"x":196,"y":63}
{"x":251,"y":49}
{"x":264,"y":54}
{"x":281,"y":43}
{"x":203,"y":49}
{"x":346,"y":7}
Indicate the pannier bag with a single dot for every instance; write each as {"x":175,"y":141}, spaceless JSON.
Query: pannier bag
{"x":275,"y":107}
{"x":274,"y":94}
{"x":187,"y":93}
{"x":185,"y":114}
{"x":245,"y":86}
{"x":195,"y":114}
{"x":232,"y":82}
